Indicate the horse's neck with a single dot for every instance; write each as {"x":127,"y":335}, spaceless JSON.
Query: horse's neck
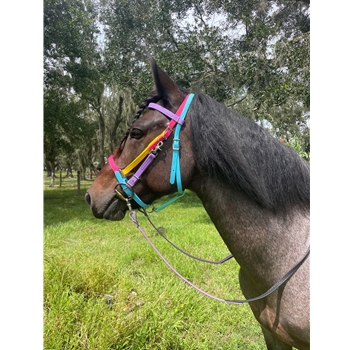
{"x":265,"y":244}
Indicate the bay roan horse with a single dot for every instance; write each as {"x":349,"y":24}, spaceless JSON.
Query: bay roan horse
{"x":254,"y":188}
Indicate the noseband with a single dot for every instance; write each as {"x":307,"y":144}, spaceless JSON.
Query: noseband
{"x":126,"y":185}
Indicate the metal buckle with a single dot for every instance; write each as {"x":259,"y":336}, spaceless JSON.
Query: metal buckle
{"x":176,"y":140}
{"x":157,"y":148}
{"x":120,"y":194}
{"x":129,"y":205}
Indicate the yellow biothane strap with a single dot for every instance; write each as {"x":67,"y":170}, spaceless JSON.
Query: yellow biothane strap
{"x":144,"y":153}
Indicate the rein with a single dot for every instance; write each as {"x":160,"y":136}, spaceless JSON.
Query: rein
{"x":284,"y":279}
{"x":128,"y":194}
{"x":144,"y":212}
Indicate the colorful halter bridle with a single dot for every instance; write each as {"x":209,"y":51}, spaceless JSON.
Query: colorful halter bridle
{"x":151,"y":151}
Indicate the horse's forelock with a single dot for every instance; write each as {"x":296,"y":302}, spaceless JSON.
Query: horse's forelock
{"x":152,"y":98}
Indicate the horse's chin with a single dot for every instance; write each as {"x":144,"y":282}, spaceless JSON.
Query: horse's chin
{"x":116,"y":211}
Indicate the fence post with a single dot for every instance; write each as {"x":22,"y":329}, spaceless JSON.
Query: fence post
{"x":78,"y":176}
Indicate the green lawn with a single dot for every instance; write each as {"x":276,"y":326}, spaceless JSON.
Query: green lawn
{"x":105,"y":288}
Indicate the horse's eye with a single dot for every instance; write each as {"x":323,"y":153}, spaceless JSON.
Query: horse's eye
{"x":136,"y":134}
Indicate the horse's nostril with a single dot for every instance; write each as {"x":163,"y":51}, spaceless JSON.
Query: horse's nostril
{"x":87,"y":198}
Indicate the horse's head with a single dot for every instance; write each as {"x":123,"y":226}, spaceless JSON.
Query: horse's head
{"x":126,"y":180}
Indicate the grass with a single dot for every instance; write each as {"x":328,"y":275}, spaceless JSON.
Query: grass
{"x":105,"y":288}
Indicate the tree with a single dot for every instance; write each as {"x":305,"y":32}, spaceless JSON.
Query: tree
{"x":61,"y":125}
{"x":252,"y":55}
{"x":74,"y":65}
{"x":72,"y":62}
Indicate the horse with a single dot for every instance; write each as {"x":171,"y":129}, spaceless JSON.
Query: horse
{"x":255,"y":189}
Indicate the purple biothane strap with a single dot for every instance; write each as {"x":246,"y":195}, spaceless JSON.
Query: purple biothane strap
{"x":141,"y":169}
{"x":166,"y":112}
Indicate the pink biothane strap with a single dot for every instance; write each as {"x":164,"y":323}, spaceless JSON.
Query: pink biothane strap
{"x":112,"y":164}
{"x":182,"y":106}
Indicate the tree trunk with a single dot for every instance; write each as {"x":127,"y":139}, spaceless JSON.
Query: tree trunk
{"x":82,"y":173}
{"x":102,"y":129}
{"x":92,"y":170}
{"x":52,"y":175}
{"x":48,"y":168}
{"x":117,"y":121}
{"x":78,"y":179}
{"x":69,"y":173}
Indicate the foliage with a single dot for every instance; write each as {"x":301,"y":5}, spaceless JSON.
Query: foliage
{"x":67,"y":40}
{"x":302,"y":149}
{"x":74,"y":67}
{"x":69,"y":31}
{"x":64,"y":129}
{"x":232,"y":50}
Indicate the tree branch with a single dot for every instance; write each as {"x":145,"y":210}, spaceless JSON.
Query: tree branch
{"x":172,"y":39}
{"x":236,"y":102}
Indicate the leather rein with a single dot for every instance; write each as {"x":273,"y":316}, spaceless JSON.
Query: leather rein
{"x":127,"y":194}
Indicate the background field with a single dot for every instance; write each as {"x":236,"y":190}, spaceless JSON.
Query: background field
{"x":105,"y":288}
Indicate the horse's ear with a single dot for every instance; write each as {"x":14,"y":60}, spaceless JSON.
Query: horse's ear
{"x":164,"y":85}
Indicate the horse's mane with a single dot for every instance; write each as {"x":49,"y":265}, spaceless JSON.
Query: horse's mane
{"x":235,"y":150}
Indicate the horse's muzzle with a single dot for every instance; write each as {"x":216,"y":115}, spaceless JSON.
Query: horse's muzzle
{"x":114,"y":209}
